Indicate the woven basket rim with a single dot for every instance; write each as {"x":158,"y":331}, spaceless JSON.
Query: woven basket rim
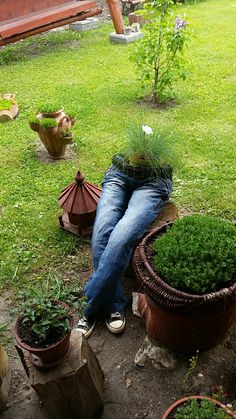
{"x":140,"y":253}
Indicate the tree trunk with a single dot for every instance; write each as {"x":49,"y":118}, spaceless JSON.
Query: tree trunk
{"x":5,"y":378}
{"x":73,"y":389}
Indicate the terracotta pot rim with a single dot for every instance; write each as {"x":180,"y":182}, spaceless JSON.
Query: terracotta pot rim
{"x":68,"y":137}
{"x":33,"y":349}
{"x":51,"y":114}
{"x":187,"y":398}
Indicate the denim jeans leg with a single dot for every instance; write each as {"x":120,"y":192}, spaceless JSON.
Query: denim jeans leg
{"x":111,"y":207}
{"x":104,"y":289}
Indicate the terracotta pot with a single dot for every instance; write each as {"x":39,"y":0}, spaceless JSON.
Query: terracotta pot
{"x":9,"y":114}
{"x":182,"y":321}
{"x":171,"y":409}
{"x":52,"y":354}
{"x":54,"y":138}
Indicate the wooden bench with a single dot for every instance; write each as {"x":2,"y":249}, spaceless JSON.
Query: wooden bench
{"x":129,"y":6}
{"x":22,"y":18}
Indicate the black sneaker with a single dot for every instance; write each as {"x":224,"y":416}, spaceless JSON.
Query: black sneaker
{"x":85,"y":326}
{"x":116,"y":322}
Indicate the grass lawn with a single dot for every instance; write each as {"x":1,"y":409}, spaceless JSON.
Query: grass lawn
{"x":88,"y":74}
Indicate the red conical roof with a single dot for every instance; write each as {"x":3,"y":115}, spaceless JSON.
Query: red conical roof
{"x":80,"y":197}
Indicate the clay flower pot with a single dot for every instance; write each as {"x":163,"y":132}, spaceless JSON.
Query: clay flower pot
{"x":51,"y":354}
{"x":170,"y":413}
{"x":127,"y":30}
{"x":55,"y":138}
{"x":182,"y":321}
{"x":9,"y":114}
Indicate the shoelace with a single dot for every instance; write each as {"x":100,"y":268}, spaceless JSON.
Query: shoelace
{"x":115,"y":315}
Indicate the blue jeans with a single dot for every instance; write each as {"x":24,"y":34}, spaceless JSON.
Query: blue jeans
{"x":125,"y":210}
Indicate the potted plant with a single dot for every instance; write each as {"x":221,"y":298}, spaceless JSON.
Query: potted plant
{"x":146,"y":150}
{"x":53,"y":126}
{"x":187,"y":272}
{"x":8,"y":107}
{"x":201,"y":407}
{"x":44,"y":324}
{"x":50,"y":110}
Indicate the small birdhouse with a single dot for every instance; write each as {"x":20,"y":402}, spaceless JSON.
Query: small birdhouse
{"x":79,"y":201}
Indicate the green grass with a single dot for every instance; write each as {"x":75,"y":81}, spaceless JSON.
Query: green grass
{"x":96,"y":80}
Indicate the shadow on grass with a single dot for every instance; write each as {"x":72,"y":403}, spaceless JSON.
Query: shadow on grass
{"x":43,"y":44}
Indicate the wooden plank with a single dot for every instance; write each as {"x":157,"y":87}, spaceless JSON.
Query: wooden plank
{"x":35,"y":31}
{"x":44,"y":17}
{"x":168,"y":213}
{"x":11,"y":8}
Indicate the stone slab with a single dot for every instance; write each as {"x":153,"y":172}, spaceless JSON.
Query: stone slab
{"x":125,"y":39}
{"x":85,"y":25}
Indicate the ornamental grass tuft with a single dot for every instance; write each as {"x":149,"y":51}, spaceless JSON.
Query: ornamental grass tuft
{"x":156,"y":148}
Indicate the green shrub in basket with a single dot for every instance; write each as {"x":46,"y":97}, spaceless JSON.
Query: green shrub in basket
{"x":197,"y":254}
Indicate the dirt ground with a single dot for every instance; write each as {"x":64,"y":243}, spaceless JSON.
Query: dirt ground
{"x":131,"y":390}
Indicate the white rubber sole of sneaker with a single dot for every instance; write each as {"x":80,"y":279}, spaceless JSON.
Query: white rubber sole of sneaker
{"x":116,"y":329}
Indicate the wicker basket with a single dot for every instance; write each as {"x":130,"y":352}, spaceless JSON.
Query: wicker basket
{"x":181,"y":320}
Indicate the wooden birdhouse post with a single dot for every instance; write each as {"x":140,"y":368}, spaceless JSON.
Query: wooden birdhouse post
{"x":79,"y":201}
